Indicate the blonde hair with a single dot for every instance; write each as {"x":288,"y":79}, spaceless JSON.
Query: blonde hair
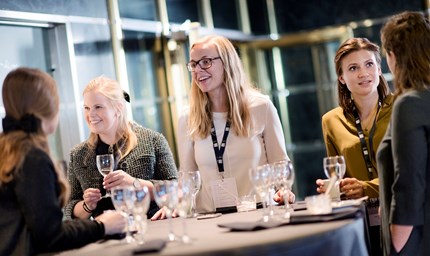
{"x":111,"y":89}
{"x":237,"y":86}
{"x":28,"y":91}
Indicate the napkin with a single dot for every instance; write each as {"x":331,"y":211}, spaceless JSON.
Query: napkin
{"x":337,"y":214}
{"x":295,"y":218}
{"x":149,"y":246}
{"x":252,"y":226}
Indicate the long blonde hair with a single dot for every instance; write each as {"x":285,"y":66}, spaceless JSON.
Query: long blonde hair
{"x":237,"y":86}
{"x":111,"y":89}
{"x":28,"y":91}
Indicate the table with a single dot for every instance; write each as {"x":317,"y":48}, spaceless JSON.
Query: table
{"x":339,"y":237}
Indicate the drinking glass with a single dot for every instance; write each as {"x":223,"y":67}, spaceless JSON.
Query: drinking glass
{"x":105,"y":165}
{"x":260,"y":178}
{"x":166,"y":195}
{"x":334,"y":165}
{"x":334,"y":168}
{"x":185,"y":201}
{"x":284,"y":173}
{"x":123,"y":199}
{"x":196,"y":185}
{"x":141,"y":207}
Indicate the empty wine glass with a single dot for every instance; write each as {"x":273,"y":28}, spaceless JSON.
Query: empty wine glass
{"x":141,"y":207}
{"x":166,"y":195}
{"x":123,"y":199}
{"x":196,"y":184}
{"x":260,"y":178}
{"x":185,"y":200}
{"x":105,"y":165}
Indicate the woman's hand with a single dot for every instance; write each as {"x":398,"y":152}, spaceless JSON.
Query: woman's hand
{"x":352,"y":188}
{"x":320,"y":186}
{"x":113,"y":221}
{"x":91,"y":197}
{"x":117,"y":178}
{"x":160,"y":214}
{"x":279,"y":197}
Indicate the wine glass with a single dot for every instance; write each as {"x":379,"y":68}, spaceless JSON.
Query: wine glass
{"x":334,"y":165}
{"x":105,"y":165}
{"x":166,"y":195}
{"x":140,"y":208}
{"x":123,"y":198}
{"x":260,"y":178}
{"x":284,"y":173}
{"x":196,"y":184}
{"x":186,"y":189}
{"x":334,"y":169}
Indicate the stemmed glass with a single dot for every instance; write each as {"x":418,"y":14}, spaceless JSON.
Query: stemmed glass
{"x":284,"y":171}
{"x":166,"y":195}
{"x":105,"y":165}
{"x":185,"y":202}
{"x":196,"y":184}
{"x":260,"y":178}
{"x":123,"y":198}
{"x":141,"y":207}
{"x":334,"y":169}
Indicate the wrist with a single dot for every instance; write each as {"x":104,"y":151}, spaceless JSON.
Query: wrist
{"x":86,"y":208}
{"x":101,"y":226}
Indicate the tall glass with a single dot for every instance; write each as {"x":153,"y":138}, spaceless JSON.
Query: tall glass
{"x":260,"y":178}
{"x":334,"y":169}
{"x":105,"y":165}
{"x":185,"y":201}
{"x":140,"y":208}
{"x":284,"y":173}
{"x":196,"y":184}
{"x":166,"y":195}
{"x":123,"y":199}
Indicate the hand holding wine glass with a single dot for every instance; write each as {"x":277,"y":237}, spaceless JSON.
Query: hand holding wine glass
{"x":105,"y":165}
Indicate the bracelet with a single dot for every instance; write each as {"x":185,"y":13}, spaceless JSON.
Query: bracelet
{"x":86,"y":208}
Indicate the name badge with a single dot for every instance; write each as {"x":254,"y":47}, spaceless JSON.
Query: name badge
{"x":224,"y":192}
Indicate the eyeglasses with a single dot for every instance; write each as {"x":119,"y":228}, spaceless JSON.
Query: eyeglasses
{"x":204,"y":63}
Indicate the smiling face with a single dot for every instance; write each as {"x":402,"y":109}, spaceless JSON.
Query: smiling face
{"x":360,"y":73}
{"x":101,"y":117}
{"x":208,"y":80}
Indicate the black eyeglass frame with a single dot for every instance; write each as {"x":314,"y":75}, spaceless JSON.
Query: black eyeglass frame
{"x":191,"y":69}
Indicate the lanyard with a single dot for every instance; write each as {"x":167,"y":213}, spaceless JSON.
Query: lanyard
{"x":219,"y":149}
{"x":365,"y":151}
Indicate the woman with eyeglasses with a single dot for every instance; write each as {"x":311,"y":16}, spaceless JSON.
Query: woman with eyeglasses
{"x":228,"y":128}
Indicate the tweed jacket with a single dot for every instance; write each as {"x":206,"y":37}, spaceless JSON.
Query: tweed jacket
{"x":151,"y":160}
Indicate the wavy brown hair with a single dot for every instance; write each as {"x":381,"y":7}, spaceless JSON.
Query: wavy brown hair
{"x":112,"y":90}
{"x":349,"y":46}
{"x":407,"y":35}
{"x":28,"y":91}
{"x":237,"y":86}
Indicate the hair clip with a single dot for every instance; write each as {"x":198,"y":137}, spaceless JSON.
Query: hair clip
{"x":126,"y":96}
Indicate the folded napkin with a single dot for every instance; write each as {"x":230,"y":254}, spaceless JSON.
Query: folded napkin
{"x":252,"y":226}
{"x":336,"y":214}
{"x":149,"y":246}
{"x":295,"y":218}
